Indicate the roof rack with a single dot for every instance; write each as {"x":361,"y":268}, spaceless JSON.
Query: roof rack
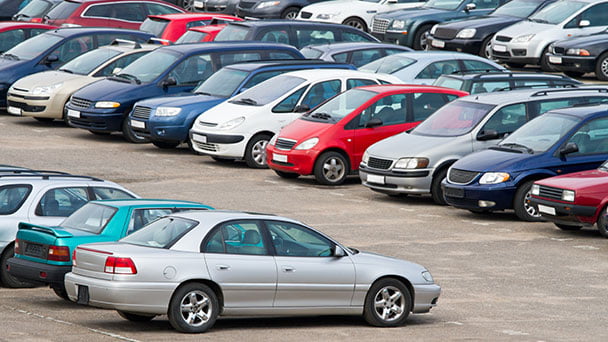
{"x":159,"y":41}
{"x":474,"y":71}
{"x":46,"y":174}
{"x":570,"y":86}
{"x":118,"y":41}
{"x":557,"y":90}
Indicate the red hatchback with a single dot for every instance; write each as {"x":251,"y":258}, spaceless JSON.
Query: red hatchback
{"x":13,"y":33}
{"x":200,"y":34}
{"x":173,"y":26}
{"x":329,"y":141}
{"x":107,"y":13}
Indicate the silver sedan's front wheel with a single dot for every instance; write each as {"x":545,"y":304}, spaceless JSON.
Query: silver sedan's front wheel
{"x":388,"y":303}
{"x":193,"y":308}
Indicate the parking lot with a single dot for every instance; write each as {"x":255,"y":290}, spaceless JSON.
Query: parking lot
{"x":502,"y":279}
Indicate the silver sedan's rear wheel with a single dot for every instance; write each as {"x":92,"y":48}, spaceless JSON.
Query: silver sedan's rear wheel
{"x":193,"y":308}
{"x":387,"y":304}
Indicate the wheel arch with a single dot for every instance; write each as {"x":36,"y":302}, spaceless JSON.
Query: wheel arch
{"x":541,"y":174}
{"x":212,"y":285}
{"x":444,"y":165}
{"x":338,"y":150}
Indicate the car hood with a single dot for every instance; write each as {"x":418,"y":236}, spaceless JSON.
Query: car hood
{"x":412,"y":13}
{"x":106,"y":89}
{"x":228,"y":111}
{"x":584,"y":41}
{"x":407,"y":145}
{"x":51,"y":77}
{"x":301,"y":129}
{"x":181,"y":100}
{"x":8,"y":69}
{"x":368,"y":258}
{"x":524,"y":28}
{"x":481,"y":22}
{"x":496,"y":160}
{"x":578,"y":180}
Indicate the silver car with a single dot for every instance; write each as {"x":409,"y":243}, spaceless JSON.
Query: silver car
{"x":196,"y":266}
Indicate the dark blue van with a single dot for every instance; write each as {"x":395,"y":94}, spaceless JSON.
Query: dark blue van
{"x":558,"y":142}
{"x":167,"y":120}
{"x":52,"y":49}
{"x":102,"y":107}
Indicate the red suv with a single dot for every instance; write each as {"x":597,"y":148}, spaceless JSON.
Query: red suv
{"x":574,"y":200}
{"x":329,"y":140}
{"x":173,"y":26}
{"x":200,"y":34}
{"x":107,"y":13}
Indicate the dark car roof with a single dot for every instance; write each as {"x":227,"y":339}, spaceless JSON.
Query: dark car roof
{"x":74,"y":31}
{"x":348,"y":46}
{"x":498,"y":75}
{"x":584,"y":111}
{"x":232,"y":45}
{"x":513,"y":96}
{"x":250,"y":66}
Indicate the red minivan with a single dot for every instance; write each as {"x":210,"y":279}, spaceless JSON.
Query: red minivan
{"x":173,"y":26}
{"x":329,"y":141}
{"x":199,"y":34}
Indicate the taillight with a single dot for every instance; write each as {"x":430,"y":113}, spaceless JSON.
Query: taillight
{"x":36,"y":20}
{"x":116,"y":265}
{"x":74,"y":257}
{"x":59,"y":253}
{"x":17,"y":246}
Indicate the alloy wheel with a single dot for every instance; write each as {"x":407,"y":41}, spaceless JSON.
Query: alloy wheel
{"x":195,"y":308}
{"x":334,"y":169}
{"x":389,"y":303}
{"x":258,"y":152}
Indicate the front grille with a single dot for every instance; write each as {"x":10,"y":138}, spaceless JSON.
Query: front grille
{"x":445,"y":33}
{"x":549,"y":192}
{"x":16,"y":95}
{"x":285,"y":144}
{"x":243,"y":4}
{"x":80,"y":103}
{"x":503,"y":38}
{"x":501,"y":54}
{"x":141,"y":112}
{"x":380,"y":25}
{"x":207,"y":124}
{"x":305,"y":15}
{"x":461,"y":176}
{"x":559,"y":50}
{"x":377,"y":163}
{"x":207,"y":146}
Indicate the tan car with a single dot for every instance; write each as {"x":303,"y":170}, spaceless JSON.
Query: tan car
{"x":43,"y":95}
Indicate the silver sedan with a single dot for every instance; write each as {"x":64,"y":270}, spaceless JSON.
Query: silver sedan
{"x":196,"y":266}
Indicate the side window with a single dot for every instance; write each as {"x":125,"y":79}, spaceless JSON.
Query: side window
{"x":9,"y":39}
{"x":486,"y":4}
{"x":341,"y":57}
{"x":392,"y":51}
{"x":158,"y":9}
{"x":231,"y":58}
{"x":363,"y":57}
{"x":281,"y":36}
{"x":99,"y":11}
{"x":437,"y":69}
{"x":591,"y":137}
{"x":311,"y":37}
{"x":391,"y":110}
{"x":120,"y":63}
{"x":73,"y":48}
{"x":263,"y":76}
{"x":354,"y":37}
{"x":471,"y":65}
{"x":358,"y":82}
{"x":425,"y":104}
{"x":61,"y":201}
{"x":34,"y":32}
{"x":109,"y":193}
{"x":490,"y":86}
{"x":293,"y":240}
{"x":281,"y":55}
{"x":507,"y":120}
{"x":596,"y":15}
{"x":236,"y":237}
{"x":321,"y":92}
{"x":546,"y":106}
{"x":192,"y":70}
{"x":129,"y":11}
{"x":12,"y":197}
{"x":141,"y":217}
{"x":289,"y":103}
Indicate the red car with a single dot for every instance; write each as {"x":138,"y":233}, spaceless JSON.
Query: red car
{"x":329,"y":141}
{"x":574,"y":200}
{"x":173,"y":26}
{"x":107,"y":13}
{"x":199,"y":34}
{"x":13,"y":33}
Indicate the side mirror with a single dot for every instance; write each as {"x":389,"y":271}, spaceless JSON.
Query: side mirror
{"x":469,"y":7}
{"x":584,"y":23}
{"x":51,"y":59}
{"x":373,"y":123}
{"x":569,"y":148}
{"x":339,"y":252}
{"x":170,"y":81}
{"x":489,"y":134}
{"x":116,"y":70}
{"x":302,"y":108}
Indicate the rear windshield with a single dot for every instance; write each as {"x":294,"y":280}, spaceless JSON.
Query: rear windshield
{"x":162,"y":233}
{"x":388,"y":64}
{"x":232,"y":32}
{"x":84,"y":64}
{"x":449,"y":82}
{"x":35,"y":9}
{"x":154,"y":26}
{"x":63,"y":10}
{"x":34,"y":46}
{"x":91,"y":217}
{"x":191,"y":37}
{"x":311,"y":53}
{"x":454,"y":119}
{"x":12,"y":197}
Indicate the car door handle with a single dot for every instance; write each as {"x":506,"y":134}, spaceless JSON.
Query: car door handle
{"x":289,"y":269}
{"x":222,"y":267}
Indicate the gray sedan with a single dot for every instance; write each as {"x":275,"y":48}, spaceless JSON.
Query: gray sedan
{"x":197,"y":266}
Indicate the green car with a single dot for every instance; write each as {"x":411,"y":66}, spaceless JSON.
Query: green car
{"x":43,"y":255}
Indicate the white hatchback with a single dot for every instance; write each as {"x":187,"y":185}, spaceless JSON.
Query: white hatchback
{"x":241,"y":127}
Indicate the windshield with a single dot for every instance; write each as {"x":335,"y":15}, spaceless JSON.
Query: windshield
{"x":223,"y":83}
{"x":33,"y":47}
{"x":341,"y":105}
{"x":311,"y":53}
{"x":191,"y":37}
{"x":141,"y":69}
{"x":268,"y":91}
{"x":557,"y":12}
{"x":91,"y":217}
{"x":519,"y":9}
{"x":389,"y":64}
{"x":454,"y":119}
{"x":85,"y":64}
{"x":443,"y":4}
{"x":232,"y":32}
{"x":35,"y":9}
{"x":154,"y":26}
{"x":539,"y":135}
{"x":162,"y":233}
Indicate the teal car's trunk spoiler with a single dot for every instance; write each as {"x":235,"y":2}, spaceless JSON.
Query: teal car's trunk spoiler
{"x":45,"y":229}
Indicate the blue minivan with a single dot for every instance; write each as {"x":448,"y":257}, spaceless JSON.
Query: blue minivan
{"x":167,"y":120}
{"x":102,"y":107}
{"x":52,"y":49}
{"x":558,"y":142}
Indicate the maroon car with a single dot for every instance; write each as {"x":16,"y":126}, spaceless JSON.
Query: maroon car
{"x":574,"y":200}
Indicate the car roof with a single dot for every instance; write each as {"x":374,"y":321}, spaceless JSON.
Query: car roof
{"x":398,"y":88}
{"x":250,"y":66}
{"x":319,"y":73}
{"x":348,"y":46}
{"x":584,"y":111}
{"x":232,"y":45}
{"x":433,"y":55}
{"x":216,"y":216}
{"x":72,"y":31}
{"x":497,"y":74}
{"x":190,"y":16}
{"x":119,"y":203}
{"x":506,"y":97}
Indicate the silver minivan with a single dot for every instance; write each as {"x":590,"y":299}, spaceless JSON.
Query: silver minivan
{"x":416,"y":162}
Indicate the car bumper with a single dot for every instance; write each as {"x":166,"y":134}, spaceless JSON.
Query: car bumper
{"x":471,"y":46}
{"x":298,"y":161}
{"x":397,"y":37}
{"x":273,"y":12}
{"x":565,"y":213}
{"x":572,"y":63}
{"x":521,"y":53}
{"x":36,"y":106}
{"x":391,"y":182}
{"x":426,"y":297}
{"x":37,"y":272}
{"x":159,"y":132}
{"x":215,"y":7}
{"x":100,"y":121}
{"x":224,"y":145}
{"x":496,"y":197}
{"x":152,"y":298}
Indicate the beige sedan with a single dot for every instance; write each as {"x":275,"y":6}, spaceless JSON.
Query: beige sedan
{"x":43,"y":95}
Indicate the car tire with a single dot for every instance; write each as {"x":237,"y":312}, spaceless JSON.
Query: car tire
{"x":396,"y":303}
{"x":567,"y":227}
{"x":133,"y":317}
{"x":574,"y":74}
{"x":290,"y":13}
{"x":188,"y":5}
{"x":355,"y":22}
{"x":602,"y":221}
{"x":544,"y":61}
{"x":130,"y":135}
{"x":331,"y":168}
{"x":165,"y":145}
{"x":100,"y":133}
{"x":601,"y":67}
{"x":7,"y":279}
{"x":255,"y":152}
{"x":61,"y":292}
{"x":45,"y":120}
{"x":523,"y":210}
{"x":422,"y":32}
{"x":287,"y":175}
{"x":486,"y":47}
{"x":436,"y":191}
{"x":203,"y":314}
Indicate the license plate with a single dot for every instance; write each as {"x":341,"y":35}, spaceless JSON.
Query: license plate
{"x":555,"y":59}
{"x":73,"y":113}
{"x":13,"y":110}
{"x":34,"y":249}
{"x":453,"y":192}
{"x":438,"y":43}
{"x":546,"y":209}
{"x":83,"y":294}
{"x":199,"y":138}
{"x":499,"y":48}
{"x":138,"y":124}
{"x":281,"y":158}
{"x":199,"y":4}
{"x":375,"y":179}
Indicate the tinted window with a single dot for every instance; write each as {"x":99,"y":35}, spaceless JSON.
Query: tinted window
{"x":449,"y":82}
{"x":355,"y":37}
{"x":453,"y":119}
{"x":87,"y":62}
{"x":162,"y":233}
{"x":321,"y":92}
{"x":35,"y":9}
{"x":437,"y":69}
{"x":263,"y":76}
{"x":109,"y":193}
{"x":141,"y":217}
{"x":289,"y":103}
{"x":237,"y":237}
{"x":507,"y":119}
{"x":129,"y":12}
{"x":290,"y":239}
{"x":591,"y":137}
{"x":356,"y":82}
{"x":490,"y":86}
{"x":63,"y":10}
{"x":191,"y":37}
{"x":154,"y":26}
{"x":391,"y":110}
{"x":425,"y":104}
{"x":8,"y":39}
{"x":158,"y":9}
{"x":596,"y":15}
{"x":61,"y":202}
{"x":197,"y":23}
{"x":232,"y":32}
{"x":479,"y":66}
{"x":92,"y":218}
{"x":280,"y":36}
{"x":363,"y":57}
{"x":192,"y":70}
{"x":313,"y":37}
{"x":119,"y":64}
{"x":12,"y":197}
{"x":340,"y":57}
{"x":231,"y":58}
{"x":99,"y":11}
{"x":485,"y":4}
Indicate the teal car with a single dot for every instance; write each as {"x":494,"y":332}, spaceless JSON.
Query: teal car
{"x":43,"y":255}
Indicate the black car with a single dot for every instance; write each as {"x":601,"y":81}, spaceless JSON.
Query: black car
{"x":284,"y":9}
{"x":216,"y":6}
{"x":475,"y":35}
{"x":293,"y":32}
{"x":579,"y":55}
{"x":501,"y":81}
{"x":10,"y":8}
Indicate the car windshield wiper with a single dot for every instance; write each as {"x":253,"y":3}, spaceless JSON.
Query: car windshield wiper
{"x":516,"y":145}
{"x":318,"y":115}
{"x":129,"y":77}
{"x":542,"y":21}
{"x":67,"y":70}
{"x":202,"y":93}
{"x":10,"y":56}
{"x":246,"y":101}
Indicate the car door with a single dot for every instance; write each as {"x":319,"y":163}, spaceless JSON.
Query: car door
{"x":504,"y":121}
{"x":591,"y":20}
{"x":57,"y":203}
{"x":308,"y":273}
{"x":237,"y":258}
{"x":188,"y":73}
{"x":592,"y":142}
{"x":70,"y":49}
{"x":285,"y":111}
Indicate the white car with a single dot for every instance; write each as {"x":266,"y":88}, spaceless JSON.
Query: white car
{"x":241,"y":127}
{"x":355,"y":13}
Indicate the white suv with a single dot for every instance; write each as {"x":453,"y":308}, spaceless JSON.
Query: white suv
{"x":46,"y":198}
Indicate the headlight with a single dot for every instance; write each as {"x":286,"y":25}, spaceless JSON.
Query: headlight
{"x":535,"y":189}
{"x":46,"y":90}
{"x":273,"y":140}
{"x":577,"y":52}
{"x":568,"y":196}
{"x":398,"y":24}
{"x":107,"y":104}
{"x":433,"y":29}
{"x":326,"y":16}
{"x":167,"y":111}
{"x":265,"y":4}
{"x":523,"y":39}
{"x":411,"y":163}
{"x":232,"y":123}
{"x":308,"y":144}
{"x":466,"y":33}
{"x":427,"y":276}
{"x":494,"y":178}
{"x":365,"y":157}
